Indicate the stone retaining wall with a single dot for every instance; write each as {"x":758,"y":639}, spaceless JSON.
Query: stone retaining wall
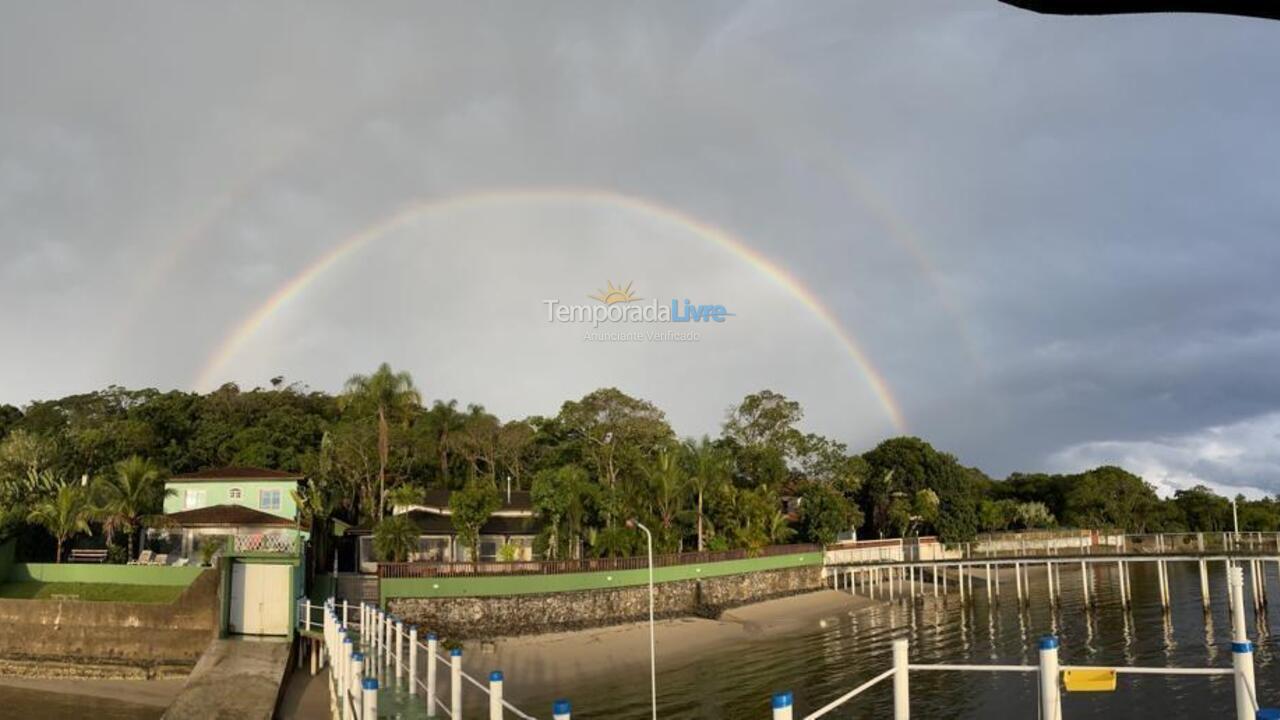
{"x":484,"y":617}
{"x":64,"y":638}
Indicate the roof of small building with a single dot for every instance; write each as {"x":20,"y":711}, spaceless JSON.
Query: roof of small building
{"x":430,"y":523}
{"x":235,"y":473}
{"x":518,"y":499}
{"x":226,"y":515}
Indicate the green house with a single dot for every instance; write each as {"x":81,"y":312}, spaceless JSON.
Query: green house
{"x":247,"y":516}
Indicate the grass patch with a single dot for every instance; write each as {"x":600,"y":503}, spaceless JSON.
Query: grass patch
{"x":98,"y":592}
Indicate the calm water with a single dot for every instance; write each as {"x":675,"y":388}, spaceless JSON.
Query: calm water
{"x":823,"y":663}
{"x":39,"y":705}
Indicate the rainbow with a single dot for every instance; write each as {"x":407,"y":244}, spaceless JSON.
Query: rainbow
{"x":247,"y":327}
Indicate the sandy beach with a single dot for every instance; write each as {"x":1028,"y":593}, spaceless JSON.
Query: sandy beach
{"x":565,"y":659}
{"x":150,"y":693}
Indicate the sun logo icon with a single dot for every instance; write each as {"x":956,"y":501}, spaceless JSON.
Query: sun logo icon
{"x":615,"y":295}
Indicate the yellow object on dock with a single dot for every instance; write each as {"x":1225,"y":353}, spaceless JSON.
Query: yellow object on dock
{"x":1089,"y":680}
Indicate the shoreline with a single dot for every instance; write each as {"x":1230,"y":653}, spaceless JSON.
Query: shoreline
{"x":146,"y":693}
{"x":562,"y":659}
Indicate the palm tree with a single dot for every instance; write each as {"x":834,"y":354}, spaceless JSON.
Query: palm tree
{"x":126,"y":498}
{"x":666,"y":483}
{"x":65,"y":514}
{"x":386,"y":393}
{"x":395,"y":538}
{"x":709,"y":470}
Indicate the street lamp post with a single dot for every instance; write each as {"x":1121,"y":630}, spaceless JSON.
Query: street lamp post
{"x":653,"y":645}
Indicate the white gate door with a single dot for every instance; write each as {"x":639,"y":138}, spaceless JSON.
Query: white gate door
{"x":260,"y":599}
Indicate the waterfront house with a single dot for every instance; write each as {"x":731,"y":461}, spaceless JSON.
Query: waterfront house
{"x":252,"y":504}
{"x":513,"y":525}
{"x":249,"y":517}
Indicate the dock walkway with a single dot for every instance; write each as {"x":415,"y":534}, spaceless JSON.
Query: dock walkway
{"x":236,"y":679}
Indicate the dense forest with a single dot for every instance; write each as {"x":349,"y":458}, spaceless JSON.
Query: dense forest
{"x":93,"y":465}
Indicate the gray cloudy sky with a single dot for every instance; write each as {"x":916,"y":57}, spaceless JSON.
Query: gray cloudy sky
{"x":1056,"y":238}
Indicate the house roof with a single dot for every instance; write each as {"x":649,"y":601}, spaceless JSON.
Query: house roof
{"x":519,"y":500}
{"x":235,"y":473}
{"x":226,"y":515}
{"x":430,"y":523}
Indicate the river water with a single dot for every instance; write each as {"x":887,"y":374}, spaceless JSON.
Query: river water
{"x":833,"y":657}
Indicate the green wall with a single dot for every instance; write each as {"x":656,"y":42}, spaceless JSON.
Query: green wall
{"x":114,"y":574}
{"x":570,"y":582}
{"x":7,"y":549}
{"x":216,"y":492}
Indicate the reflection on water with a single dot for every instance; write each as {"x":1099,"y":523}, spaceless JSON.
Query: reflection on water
{"x":40,"y":705}
{"x":825,"y":662}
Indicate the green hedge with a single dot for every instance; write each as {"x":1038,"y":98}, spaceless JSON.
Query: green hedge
{"x":110,"y":574}
{"x":571,"y":582}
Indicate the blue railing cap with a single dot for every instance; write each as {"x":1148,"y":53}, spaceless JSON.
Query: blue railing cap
{"x":370,"y":684}
{"x":357,"y":657}
{"x":782,"y":699}
{"x":455,"y":652}
{"x":1242,"y":647}
{"x":560,"y":707}
{"x":1049,"y":642}
{"x":495,"y":676}
{"x":1267,"y":714}
{"x":432,"y":636}
{"x":346,"y":639}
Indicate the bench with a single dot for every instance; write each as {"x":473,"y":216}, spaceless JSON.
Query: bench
{"x":88,"y":556}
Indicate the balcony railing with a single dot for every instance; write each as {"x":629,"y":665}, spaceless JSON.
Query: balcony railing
{"x":269,"y":543}
{"x":559,"y":567}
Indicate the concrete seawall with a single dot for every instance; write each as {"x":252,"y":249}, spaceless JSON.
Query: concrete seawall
{"x":497,"y":616}
{"x":71,"y":638}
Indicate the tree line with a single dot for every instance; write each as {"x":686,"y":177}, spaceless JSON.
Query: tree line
{"x":96,"y":462}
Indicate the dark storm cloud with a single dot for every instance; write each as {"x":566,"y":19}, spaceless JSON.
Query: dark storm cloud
{"x":1094,"y":199}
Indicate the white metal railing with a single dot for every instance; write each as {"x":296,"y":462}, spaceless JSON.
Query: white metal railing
{"x":1050,"y":693}
{"x":1097,"y":542}
{"x":265,"y":542}
{"x":391,"y":649}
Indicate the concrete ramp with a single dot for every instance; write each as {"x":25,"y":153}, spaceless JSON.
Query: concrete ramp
{"x":235,"y":679}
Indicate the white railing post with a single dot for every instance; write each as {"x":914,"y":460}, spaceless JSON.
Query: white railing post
{"x":495,"y":695}
{"x":781,"y":706}
{"x":399,"y":656}
{"x":561,"y":710}
{"x":901,"y":686}
{"x":370,"y":687}
{"x":351,"y":692}
{"x":344,"y":612}
{"x":389,"y":627}
{"x":432,"y":647}
{"x":455,"y":683}
{"x":413,"y":659}
{"x":1241,"y":648}
{"x":1050,"y":702}
{"x":344,"y":674}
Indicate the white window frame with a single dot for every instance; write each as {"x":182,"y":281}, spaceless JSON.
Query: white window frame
{"x":235,"y":494}
{"x":193,"y":499}
{"x":262,"y":495}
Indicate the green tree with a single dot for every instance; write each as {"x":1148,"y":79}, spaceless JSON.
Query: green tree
{"x":561,"y":497}
{"x":709,"y":471}
{"x":667,"y":491}
{"x":395,"y":538}
{"x":387,"y":394}
{"x":66,"y":514}
{"x":1033,"y":515}
{"x":825,"y":513}
{"x":907,"y":465}
{"x":1110,"y":497}
{"x":126,"y":497}
{"x":470,"y":509}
